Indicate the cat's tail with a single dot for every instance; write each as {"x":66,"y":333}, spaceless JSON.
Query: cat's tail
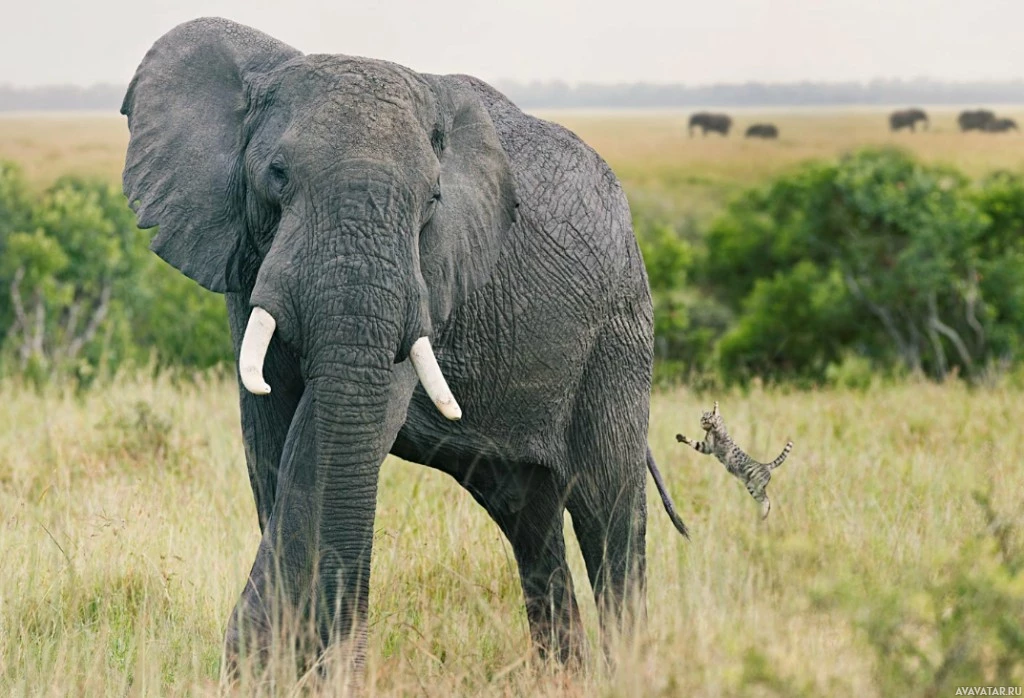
{"x":670,"y":508}
{"x":782,"y":456}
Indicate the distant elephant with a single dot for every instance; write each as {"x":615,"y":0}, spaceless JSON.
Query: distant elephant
{"x":719,"y":123}
{"x":762,"y":131}
{"x":907,"y":118}
{"x":1001,"y":126}
{"x":388,"y":240}
{"x":975,"y":120}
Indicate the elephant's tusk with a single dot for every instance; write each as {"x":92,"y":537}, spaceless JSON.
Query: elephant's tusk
{"x":254,"y":350}
{"x":423,"y":360}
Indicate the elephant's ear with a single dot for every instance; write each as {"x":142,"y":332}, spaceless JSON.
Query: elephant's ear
{"x":185,"y":107}
{"x":462,"y":240}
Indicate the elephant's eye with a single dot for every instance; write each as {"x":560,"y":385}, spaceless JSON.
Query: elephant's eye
{"x":277,"y":177}
{"x":435,"y":197}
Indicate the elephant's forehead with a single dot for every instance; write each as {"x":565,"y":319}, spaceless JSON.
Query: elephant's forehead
{"x":358,"y":78}
{"x":375,"y":96}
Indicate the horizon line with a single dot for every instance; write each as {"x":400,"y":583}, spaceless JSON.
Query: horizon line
{"x":526,"y":82}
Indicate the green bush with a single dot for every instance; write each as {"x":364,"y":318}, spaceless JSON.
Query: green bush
{"x":82,"y":295}
{"x":900,"y":265}
{"x":876,"y":262}
{"x":791,"y":326}
{"x":767,"y":230}
{"x":686,"y":322}
{"x":852,"y":372}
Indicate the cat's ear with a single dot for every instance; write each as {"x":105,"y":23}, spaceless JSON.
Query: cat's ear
{"x":715,"y":411}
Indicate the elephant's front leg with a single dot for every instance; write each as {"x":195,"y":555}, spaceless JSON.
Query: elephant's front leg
{"x":266,"y":419}
{"x":528,"y":505}
{"x":309,"y":585}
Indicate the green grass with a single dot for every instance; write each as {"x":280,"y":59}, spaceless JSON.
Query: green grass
{"x":129,"y":527}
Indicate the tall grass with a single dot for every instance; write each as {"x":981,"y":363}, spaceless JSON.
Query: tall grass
{"x":128,"y":529}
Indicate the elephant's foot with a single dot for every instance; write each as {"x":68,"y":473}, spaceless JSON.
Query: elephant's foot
{"x":248,"y":643}
{"x":258,"y":651}
{"x":563,"y":641}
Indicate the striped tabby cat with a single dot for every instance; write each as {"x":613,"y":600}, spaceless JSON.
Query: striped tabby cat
{"x":753,"y":474}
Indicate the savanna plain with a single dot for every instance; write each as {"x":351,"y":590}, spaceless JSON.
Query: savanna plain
{"x":890,"y":564}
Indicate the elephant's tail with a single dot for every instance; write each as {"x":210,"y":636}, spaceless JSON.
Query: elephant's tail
{"x":670,"y":508}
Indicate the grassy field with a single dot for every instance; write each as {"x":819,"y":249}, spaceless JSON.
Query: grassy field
{"x":665,"y":172}
{"x":669,"y":174}
{"x":128,"y":525}
{"x":128,"y":528}
{"x":49,"y":145}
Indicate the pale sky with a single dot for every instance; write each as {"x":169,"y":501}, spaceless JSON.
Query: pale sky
{"x":87,"y":41}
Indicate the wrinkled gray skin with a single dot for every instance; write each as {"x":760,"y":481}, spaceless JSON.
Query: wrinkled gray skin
{"x":364,"y":205}
{"x":907,"y":118}
{"x":975,"y":120}
{"x":706,"y":121}
{"x":762,"y":131}
{"x":1000,"y":126}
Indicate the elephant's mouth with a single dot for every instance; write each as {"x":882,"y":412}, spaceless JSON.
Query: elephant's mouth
{"x":260,"y":330}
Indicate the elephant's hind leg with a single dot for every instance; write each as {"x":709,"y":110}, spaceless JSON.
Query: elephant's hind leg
{"x":528,"y":505}
{"x":606,"y":498}
{"x":609,"y":519}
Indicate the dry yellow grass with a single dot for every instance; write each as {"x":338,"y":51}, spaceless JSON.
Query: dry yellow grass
{"x":128,"y":528}
{"x":655,"y":141}
{"x":48,"y":145}
{"x":660,"y":166}
{"x":666,"y":171}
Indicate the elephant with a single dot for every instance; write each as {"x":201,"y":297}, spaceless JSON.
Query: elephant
{"x":719,"y":123}
{"x":413,"y":266}
{"x":907,"y":118}
{"x":974,"y":120}
{"x":762,"y":131}
{"x":1000,"y":126}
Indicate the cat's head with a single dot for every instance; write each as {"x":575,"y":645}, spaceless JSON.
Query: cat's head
{"x":711,"y":420}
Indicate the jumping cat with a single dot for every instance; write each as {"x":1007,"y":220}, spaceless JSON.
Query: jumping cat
{"x":753,"y":474}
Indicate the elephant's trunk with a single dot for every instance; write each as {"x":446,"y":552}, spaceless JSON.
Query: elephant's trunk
{"x":321,"y":530}
{"x":317,"y":546}
{"x":257,"y":339}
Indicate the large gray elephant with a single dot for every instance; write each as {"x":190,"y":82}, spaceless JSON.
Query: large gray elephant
{"x":706,"y":121}
{"x":762,"y":131}
{"x":975,"y":119}
{"x":412,"y":265}
{"x":1001,"y":125}
{"x":907,"y":118}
